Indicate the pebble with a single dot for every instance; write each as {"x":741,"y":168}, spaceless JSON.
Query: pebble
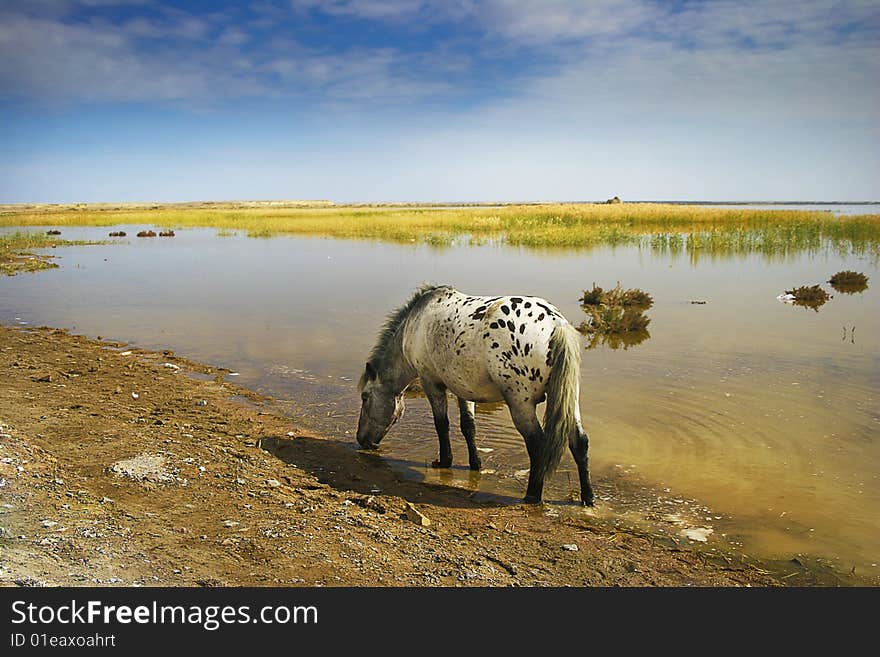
{"x":570,"y":547}
{"x":274,"y":483}
{"x":416,"y":516}
{"x":171,"y":366}
{"x":230,"y":523}
{"x":700,"y":534}
{"x":134,"y":395}
{"x":202,"y":402}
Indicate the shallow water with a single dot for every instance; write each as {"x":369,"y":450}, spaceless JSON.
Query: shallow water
{"x":765,"y":413}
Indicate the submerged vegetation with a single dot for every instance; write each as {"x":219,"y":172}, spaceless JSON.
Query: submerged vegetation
{"x":849,"y":282}
{"x":16,"y":256}
{"x":661,"y":227}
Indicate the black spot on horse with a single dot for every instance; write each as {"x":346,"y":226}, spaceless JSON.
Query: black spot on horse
{"x":510,"y":326}
{"x":485,"y":335}
{"x":515,"y":300}
{"x":505,"y":310}
{"x":517,"y":313}
{"x":528,"y":304}
{"x":522,"y":328}
{"x":493,"y":325}
{"x":494,"y":345}
{"x":540,"y":317}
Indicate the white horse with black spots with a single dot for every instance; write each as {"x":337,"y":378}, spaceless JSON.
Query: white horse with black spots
{"x":482,"y":349}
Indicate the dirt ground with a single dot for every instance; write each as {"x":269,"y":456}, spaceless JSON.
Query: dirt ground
{"x":127,"y":467}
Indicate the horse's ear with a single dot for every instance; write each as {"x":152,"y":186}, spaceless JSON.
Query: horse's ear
{"x":370,"y":371}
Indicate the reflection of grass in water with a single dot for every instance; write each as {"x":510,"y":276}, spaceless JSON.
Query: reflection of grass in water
{"x":617,"y":340}
{"x":660,"y":227}
{"x":615,"y":320}
{"x":15,"y":255}
{"x":809,"y":296}
{"x":849,"y":282}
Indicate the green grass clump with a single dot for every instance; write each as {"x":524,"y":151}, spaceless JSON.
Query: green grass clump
{"x":849,"y":282}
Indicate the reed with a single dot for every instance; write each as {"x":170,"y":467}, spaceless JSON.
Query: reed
{"x":661,"y":227}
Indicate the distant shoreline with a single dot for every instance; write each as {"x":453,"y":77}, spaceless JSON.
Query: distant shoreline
{"x":281,"y":204}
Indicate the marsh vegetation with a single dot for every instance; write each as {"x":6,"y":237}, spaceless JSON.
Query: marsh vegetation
{"x":849,"y":282}
{"x":809,"y":296}
{"x":16,"y":251}
{"x":667,"y":228}
{"x":616,"y":317}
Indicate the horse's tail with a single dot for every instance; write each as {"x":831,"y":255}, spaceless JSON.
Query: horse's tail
{"x":561,"y":420}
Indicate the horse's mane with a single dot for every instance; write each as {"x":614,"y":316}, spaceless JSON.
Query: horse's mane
{"x":393,"y":322}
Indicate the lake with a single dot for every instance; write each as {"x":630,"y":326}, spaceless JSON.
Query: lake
{"x":751,"y":417}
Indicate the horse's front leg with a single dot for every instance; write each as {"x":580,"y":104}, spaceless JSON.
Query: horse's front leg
{"x":526,"y":421}
{"x":436,"y":393}
{"x":469,"y":431}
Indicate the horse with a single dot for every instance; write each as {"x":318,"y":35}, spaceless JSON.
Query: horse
{"x":516,"y":349}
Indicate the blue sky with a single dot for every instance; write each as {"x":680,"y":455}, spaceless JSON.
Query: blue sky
{"x":420,"y":100}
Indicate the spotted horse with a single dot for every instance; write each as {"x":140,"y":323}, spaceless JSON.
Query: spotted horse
{"x":482,"y":349}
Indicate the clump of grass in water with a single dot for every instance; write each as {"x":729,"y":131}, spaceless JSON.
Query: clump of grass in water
{"x":849,"y":282}
{"x":809,"y":296}
{"x":616,"y":317}
{"x":617,"y":297}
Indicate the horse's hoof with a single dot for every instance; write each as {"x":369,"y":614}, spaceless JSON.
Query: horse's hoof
{"x":532,"y":499}
{"x":441,"y":464}
{"x":588,"y":502}
{"x":476,"y":465}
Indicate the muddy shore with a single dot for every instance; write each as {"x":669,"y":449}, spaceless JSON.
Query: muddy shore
{"x":127,"y":467}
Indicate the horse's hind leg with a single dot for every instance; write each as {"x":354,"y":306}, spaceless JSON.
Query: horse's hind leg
{"x":579,"y":444}
{"x":526,"y":422}
{"x":469,"y":431}
{"x":436,"y":393}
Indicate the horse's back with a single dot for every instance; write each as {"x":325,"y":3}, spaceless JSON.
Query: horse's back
{"x":485,"y":348}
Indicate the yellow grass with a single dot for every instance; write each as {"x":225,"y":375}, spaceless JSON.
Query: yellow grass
{"x":662,"y":226}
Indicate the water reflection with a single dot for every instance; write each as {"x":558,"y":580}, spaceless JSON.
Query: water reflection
{"x":617,"y":340}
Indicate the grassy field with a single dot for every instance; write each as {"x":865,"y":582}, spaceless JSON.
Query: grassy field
{"x":663,"y":227}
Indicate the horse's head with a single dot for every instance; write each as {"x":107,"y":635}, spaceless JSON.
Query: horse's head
{"x":381,"y":407}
